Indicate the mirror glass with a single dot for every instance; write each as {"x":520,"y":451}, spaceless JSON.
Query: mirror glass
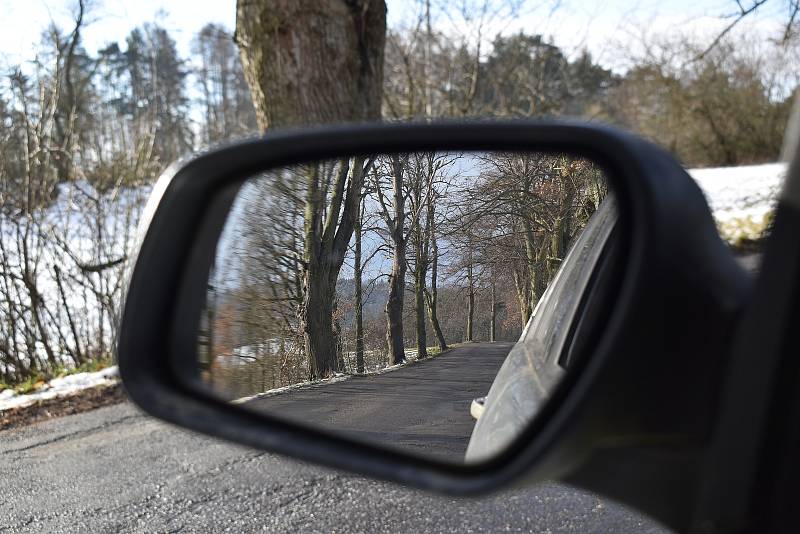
{"x":400,"y":298}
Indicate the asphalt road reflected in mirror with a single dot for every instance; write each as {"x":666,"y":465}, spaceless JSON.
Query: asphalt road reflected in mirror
{"x":422,"y":407}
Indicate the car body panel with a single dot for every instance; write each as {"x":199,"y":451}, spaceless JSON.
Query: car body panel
{"x":535,"y":364}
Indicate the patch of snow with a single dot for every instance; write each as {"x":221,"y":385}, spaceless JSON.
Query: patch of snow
{"x":749,"y":191}
{"x":411,"y":357}
{"x":60,"y":387}
{"x":338,"y":377}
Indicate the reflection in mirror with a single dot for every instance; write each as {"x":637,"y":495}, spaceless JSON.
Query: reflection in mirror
{"x":380,"y":296}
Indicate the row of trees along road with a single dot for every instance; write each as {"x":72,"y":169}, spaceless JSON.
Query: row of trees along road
{"x":449,"y":226}
{"x":83,"y":136}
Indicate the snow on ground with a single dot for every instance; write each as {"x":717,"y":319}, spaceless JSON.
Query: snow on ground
{"x":338,"y":377}
{"x":411,"y":357}
{"x":741,"y":197}
{"x":82,"y":227}
{"x":60,"y":387}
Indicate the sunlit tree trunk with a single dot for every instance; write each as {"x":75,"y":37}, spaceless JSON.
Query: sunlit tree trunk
{"x":433,"y":294}
{"x":397,"y":279}
{"x":359,"y":294}
{"x":493,"y":318}
{"x":470,"y":299}
{"x":419,"y":308}
{"x":420,"y":275}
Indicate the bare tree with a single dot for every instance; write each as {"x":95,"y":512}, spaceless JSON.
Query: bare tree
{"x":358,"y":291}
{"x":394,"y":216}
{"x":306,"y":63}
{"x":68,"y":206}
{"x":747,"y":9}
{"x":525,"y":210}
{"x":432,"y":255}
{"x":225,"y":97}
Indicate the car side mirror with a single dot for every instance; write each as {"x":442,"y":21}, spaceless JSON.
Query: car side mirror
{"x":240,"y":318}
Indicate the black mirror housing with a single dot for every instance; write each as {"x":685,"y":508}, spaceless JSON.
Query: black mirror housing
{"x":662,"y":343}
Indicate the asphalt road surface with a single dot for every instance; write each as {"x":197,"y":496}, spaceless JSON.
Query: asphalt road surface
{"x":421,"y":408}
{"x":117,"y":470}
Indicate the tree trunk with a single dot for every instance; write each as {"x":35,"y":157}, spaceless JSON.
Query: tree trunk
{"x":541,"y":265}
{"x":359,"y":296}
{"x":470,"y":300}
{"x":419,"y":309}
{"x":324,"y":252}
{"x":433,"y":295}
{"x":420,"y":273}
{"x":394,"y":306}
{"x":493,"y":320}
{"x":533,"y":271}
{"x":523,"y":296}
{"x":397,"y":280}
{"x":314,"y":62}
{"x":317,"y":321}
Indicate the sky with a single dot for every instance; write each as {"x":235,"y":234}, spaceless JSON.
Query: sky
{"x":608,"y":28}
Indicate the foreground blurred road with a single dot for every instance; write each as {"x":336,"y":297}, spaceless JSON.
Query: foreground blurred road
{"x":116,"y":470}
